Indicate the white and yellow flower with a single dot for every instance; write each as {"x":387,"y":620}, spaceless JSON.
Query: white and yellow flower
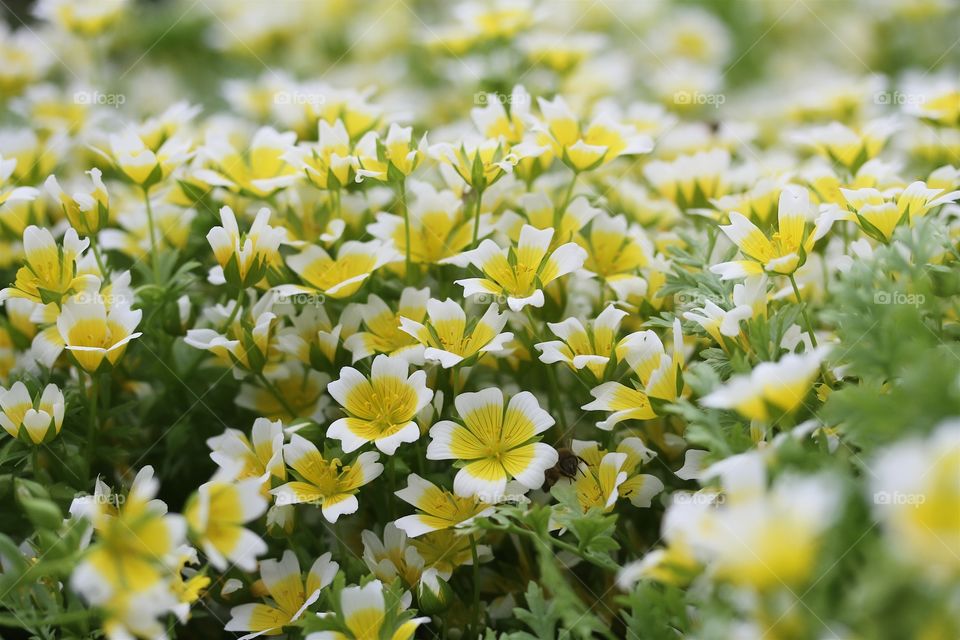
{"x":258,"y":172}
{"x":622,"y":402}
{"x":136,"y":542}
{"x":140,"y":164}
{"x":96,"y":333}
{"x":437,"y":509}
{"x":380,"y":409}
{"x":328,"y":164}
{"x":383,"y":326}
{"x":215,"y":517}
{"x":327,"y":483}
{"x":880,"y":213}
{"x":259,"y":456}
{"x":610,"y":475}
{"x":87,"y":211}
{"x":660,"y":373}
{"x":589,"y":347}
{"x":691,"y":180}
{"x":583,"y":148}
{"x":393,"y":557}
{"x":783,"y":252}
{"x":780,"y":385}
{"x":243,"y":258}
{"x":449,"y":340}
{"x":17,"y":194}
{"x":87,"y":18}
{"x":495,"y":443}
{"x":848,"y":146}
{"x":338,"y":277}
{"x":49,"y":273}
{"x":291,"y":593}
{"x":916,"y":496}
{"x":440,"y":228}
{"x":364,"y":613}
{"x":35,"y":421}
{"x":520,"y":272}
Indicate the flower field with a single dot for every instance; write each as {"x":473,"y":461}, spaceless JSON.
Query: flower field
{"x":492,"y":319}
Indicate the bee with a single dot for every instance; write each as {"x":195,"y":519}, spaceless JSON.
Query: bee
{"x":568,"y":466}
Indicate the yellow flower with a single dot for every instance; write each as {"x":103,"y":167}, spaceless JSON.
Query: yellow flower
{"x":244,"y":258}
{"x":330,"y":162}
{"x":327,"y":483}
{"x":290,"y":592}
{"x":313,"y":340}
{"x":86,"y":18}
{"x":916,"y":495}
{"x":260,"y":456}
{"x":142,"y":165}
{"x":659,"y":373}
{"x":439,"y":226}
{"x":392,"y":159}
{"x":50,"y":270}
{"x":95,"y":333}
{"x":438,"y":509}
{"x":135,"y":541}
{"x":338,"y":277}
{"x":691,"y":180}
{"x":602,"y":477}
{"x":846,"y":146}
{"x":249,"y":341}
{"x":615,"y":250}
{"x":623,"y":403}
{"x":32,"y":421}
{"x":495,"y":443}
{"x":541,"y":212}
{"x":393,"y":557}
{"x":521,"y":271}
{"x":301,"y":389}
{"x":586,"y":148}
{"x":782,"y":385}
{"x":258,"y":172}
{"x":449,"y":340}
{"x":480,"y":163}
{"x":384,"y":332}
{"x":86,"y":211}
{"x":783,"y":252}
{"x":879,"y":214}
{"x":363,"y":614}
{"x":215,"y":516}
{"x":582,"y":347}
{"x":380,"y":409}
{"x":17,"y":194}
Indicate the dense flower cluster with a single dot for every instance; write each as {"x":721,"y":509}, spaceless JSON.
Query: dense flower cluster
{"x":520,"y":320}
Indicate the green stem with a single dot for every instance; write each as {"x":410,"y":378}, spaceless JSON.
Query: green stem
{"x":803,"y":310}
{"x":476,"y":584}
{"x":476,"y":215}
{"x":153,"y":236}
{"x":402,"y":197}
{"x":567,"y":197}
{"x":92,"y":419}
{"x":234,"y":312}
{"x":97,"y":256}
{"x":276,"y":394}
